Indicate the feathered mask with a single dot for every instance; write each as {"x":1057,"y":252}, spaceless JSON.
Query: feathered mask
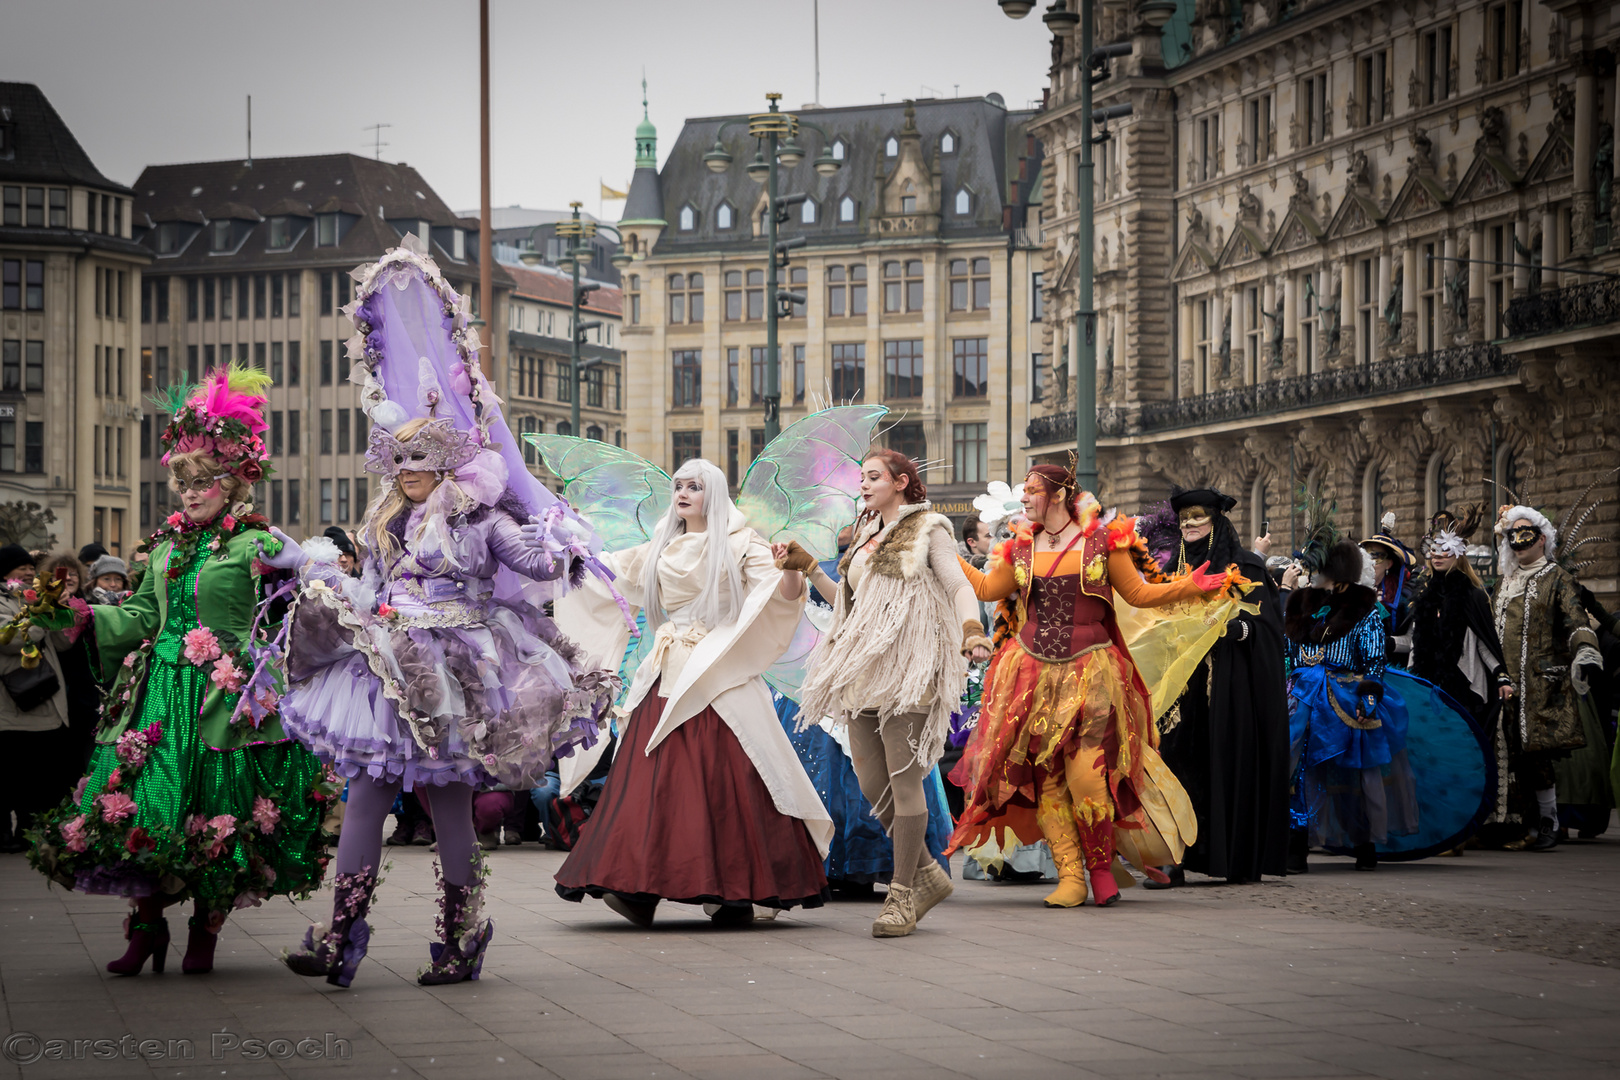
{"x":224,"y":417}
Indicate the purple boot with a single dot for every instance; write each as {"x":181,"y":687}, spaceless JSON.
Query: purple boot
{"x":460,"y":956}
{"x":336,"y":953}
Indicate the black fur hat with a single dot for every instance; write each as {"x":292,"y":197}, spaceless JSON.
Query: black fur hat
{"x":1345,"y":564}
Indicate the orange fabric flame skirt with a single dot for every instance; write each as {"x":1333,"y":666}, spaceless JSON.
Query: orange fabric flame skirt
{"x":1034,"y":715}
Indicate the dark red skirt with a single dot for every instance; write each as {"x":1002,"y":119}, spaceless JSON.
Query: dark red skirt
{"x":692,"y":823}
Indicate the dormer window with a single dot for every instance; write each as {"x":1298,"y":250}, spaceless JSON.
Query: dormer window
{"x":892,"y":147}
{"x":326,"y":230}
{"x":688,"y":218}
{"x":280,"y":233}
{"x":846,"y":209}
{"x":964,"y":202}
{"x":807,"y":212}
{"x":219,"y":236}
{"x":947,"y":143}
{"x":908,"y":201}
{"x":724,"y":216}
{"x":458,"y":243}
{"x":168,"y":238}
{"x":839,"y":149}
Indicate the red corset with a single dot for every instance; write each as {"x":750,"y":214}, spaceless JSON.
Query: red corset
{"x":1064,"y":621}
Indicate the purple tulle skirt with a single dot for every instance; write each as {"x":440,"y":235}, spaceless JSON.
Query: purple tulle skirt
{"x":494,"y":704}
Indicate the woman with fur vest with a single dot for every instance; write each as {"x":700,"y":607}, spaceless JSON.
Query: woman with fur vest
{"x":893,"y":666}
{"x":1065,"y":746}
{"x":1353,"y":786}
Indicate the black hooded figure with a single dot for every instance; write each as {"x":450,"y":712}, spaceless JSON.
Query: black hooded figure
{"x":1226,"y":739}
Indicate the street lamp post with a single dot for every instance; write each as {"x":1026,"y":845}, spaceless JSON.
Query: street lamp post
{"x":1061,"y":20}
{"x":578,"y":233}
{"x":777,"y":133}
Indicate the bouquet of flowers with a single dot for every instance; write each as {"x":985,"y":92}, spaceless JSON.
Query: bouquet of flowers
{"x":44,"y":607}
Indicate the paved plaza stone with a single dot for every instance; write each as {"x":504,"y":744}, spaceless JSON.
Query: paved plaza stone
{"x":1495,"y":964}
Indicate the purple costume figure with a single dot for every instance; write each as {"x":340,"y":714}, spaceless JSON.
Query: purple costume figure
{"x":437,"y":671}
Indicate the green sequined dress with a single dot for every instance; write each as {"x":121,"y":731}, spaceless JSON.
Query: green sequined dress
{"x":198,"y":805}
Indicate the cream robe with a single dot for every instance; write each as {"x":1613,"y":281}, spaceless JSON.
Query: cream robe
{"x":701,"y":667}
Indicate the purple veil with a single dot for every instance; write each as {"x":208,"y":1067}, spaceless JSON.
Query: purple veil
{"x":416,"y":355}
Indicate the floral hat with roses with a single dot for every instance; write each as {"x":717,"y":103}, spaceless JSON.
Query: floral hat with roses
{"x":224,"y":416}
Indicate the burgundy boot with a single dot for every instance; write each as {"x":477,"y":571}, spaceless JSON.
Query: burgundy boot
{"x":1097,"y":844}
{"x":148,"y":935}
{"x":202,"y":934}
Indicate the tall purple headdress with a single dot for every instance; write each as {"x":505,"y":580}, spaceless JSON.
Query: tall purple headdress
{"x":416,"y":356}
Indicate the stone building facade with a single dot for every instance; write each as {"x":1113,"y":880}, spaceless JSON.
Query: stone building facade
{"x":539,"y":366}
{"x":918,"y":277}
{"x":1371,"y":241}
{"x":70,"y":275}
{"x":251,"y":262}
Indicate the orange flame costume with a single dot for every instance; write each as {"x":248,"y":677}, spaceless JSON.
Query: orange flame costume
{"x":1065,"y":748}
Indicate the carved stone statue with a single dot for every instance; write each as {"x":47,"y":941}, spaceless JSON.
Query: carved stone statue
{"x":1331,"y":311}
{"x":1249,"y":208}
{"x":1301,"y":199}
{"x":1360,"y":172}
{"x":1422,"y":158}
{"x":1563,"y":121}
{"x":1603,"y":171}
{"x":1457,"y":291}
{"x":1492,"y":131}
{"x":1195,"y":223}
{"x":1392,"y":306}
{"x":1226,"y":343}
{"x":1275,"y":342}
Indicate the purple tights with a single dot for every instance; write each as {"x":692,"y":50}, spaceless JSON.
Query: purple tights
{"x":370,"y":801}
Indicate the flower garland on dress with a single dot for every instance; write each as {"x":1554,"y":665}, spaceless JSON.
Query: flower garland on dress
{"x":230,"y":667}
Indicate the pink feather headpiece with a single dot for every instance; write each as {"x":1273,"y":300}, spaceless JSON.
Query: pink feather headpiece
{"x":225,"y":417}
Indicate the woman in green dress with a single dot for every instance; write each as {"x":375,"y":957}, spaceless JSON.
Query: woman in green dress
{"x":194,"y":789}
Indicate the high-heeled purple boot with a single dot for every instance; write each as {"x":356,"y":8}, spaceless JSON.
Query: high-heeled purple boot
{"x":460,"y":956}
{"x":336,"y":953}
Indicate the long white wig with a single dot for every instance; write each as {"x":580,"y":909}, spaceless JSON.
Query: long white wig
{"x":722,"y":592}
{"x":1507,"y":557}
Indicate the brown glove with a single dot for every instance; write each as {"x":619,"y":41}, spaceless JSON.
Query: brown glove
{"x":973,"y":637}
{"x":797,"y":559}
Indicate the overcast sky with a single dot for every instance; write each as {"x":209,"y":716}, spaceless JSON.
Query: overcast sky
{"x":161,"y":81}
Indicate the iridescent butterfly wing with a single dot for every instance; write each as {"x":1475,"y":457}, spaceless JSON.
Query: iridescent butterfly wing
{"x":620,"y":494}
{"x":805,"y":486}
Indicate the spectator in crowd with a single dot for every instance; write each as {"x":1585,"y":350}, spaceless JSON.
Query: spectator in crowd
{"x":91,"y":552}
{"x":412,"y":825}
{"x":83,"y":691}
{"x":109,"y":581}
{"x":33,"y":711}
{"x":348,"y":557}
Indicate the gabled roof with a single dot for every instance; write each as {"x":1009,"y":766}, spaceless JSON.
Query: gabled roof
{"x":1555,"y":159}
{"x":1421,"y":194}
{"x":980,"y":163}
{"x":1195,"y":259}
{"x":1299,"y":229}
{"x":44,"y":150}
{"x":1357,"y":213}
{"x":1489,"y":174}
{"x":1244,"y":245}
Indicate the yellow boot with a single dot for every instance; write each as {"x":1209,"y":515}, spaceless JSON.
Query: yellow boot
{"x":1056,"y":819}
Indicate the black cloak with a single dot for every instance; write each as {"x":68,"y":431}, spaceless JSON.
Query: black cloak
{"x":1226,"y":739}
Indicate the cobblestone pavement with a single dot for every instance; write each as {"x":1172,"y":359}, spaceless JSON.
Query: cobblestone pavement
{"x":1494,"y":964}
